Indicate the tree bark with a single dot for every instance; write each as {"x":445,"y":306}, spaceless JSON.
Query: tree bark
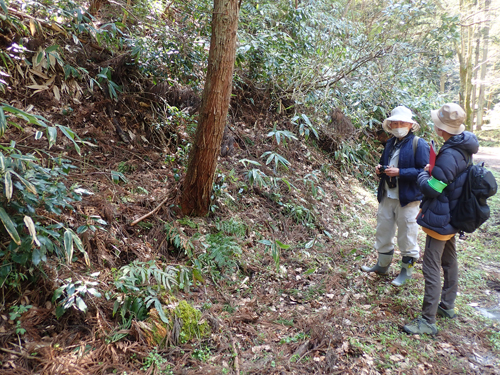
{"x":474,"y":85}
{"x":484,"y":65}
{"x":197,"y":189}
{"x":468,"y":83}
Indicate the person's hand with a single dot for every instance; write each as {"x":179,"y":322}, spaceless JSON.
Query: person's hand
{"x":427,"y":167}
{"x":377,"y":169}
{"x":392,"y":172}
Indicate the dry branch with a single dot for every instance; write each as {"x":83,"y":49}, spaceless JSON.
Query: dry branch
{"x":150,"y":213}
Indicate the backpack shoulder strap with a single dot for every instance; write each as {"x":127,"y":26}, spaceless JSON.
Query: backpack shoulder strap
{"x":467,"y":168}
{"x":415,"y":145}
{"x":467,"y":158}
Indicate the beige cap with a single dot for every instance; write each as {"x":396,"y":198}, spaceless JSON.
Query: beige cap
{"x":400,"y":113}
{"x":450,"y":118}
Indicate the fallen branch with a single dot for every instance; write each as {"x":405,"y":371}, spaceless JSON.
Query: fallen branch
{"x":235,"y":353}
{"x":150,"y":213}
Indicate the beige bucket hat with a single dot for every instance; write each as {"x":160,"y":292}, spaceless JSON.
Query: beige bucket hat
{"x":450,"y":118}
{"x":400,"y":113}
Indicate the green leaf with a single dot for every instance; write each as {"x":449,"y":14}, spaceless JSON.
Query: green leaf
{"x":31,"y":228}
{"x":57,"y":293}
{"x":52,"y":48}
{"x":71,"y":136}
{"x":310,"y":243}
{"x":159,"y":308}
{"x":31,"y":188}
{"x":282,"y":245}
{"x":52,"y":135}
{"x":80,"y":305}
{"x":8,"y":185}
{"x":9,"y":226}
{"x":59,"y":311}
{"x":94,"y":292}
{"x":39,"y":57}
{"x":116,"y":306}
{"x":4,"y":7}
{"x":3,"y":122}
{"x":38,"y":135}
{"x":79,"y":245}
{"x":68,"y":245}
{"x":117,"y":176}
{"x":36,"y":257}
{"x":32,"y":119}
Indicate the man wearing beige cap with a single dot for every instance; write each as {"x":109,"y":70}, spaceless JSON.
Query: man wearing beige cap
{"x":441,"y":189}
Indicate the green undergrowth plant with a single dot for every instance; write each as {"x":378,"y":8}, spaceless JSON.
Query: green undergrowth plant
{"x":72,"y":294}
{"x":305,"y":126}
{"x":16,"y":312}
{"x":142,"y":286}
{"x":299,"y":213}
{"x":275,"y":246}
{"x":179,"y":239}
{"x":31,"y":194}
{"x":277,"y":159}
{"x":281,"y":136}
{"x":312,"y":183}
{"x":232,"y":227}
{"x":216,"y":254}
{"x":155,"y":363}
{"x":220,"y":256}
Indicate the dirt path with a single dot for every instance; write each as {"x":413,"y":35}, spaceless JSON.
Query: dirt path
{"x":490,"y":156}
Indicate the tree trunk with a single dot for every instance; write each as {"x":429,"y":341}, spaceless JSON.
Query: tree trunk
{"x":468,"y":82}
{"x":197,"y":189}
{"x":474,"y":85}
{"x":442,"y":82}
{"x":484,"y":64}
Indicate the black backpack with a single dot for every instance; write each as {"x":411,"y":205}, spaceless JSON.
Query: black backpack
{"x":472,"y":210}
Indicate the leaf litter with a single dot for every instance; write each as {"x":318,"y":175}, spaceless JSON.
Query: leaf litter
{"x":317,"y":315}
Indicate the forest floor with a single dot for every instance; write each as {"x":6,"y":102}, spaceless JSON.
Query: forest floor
{"x":302,"y":309}
{"x":314,"y":314}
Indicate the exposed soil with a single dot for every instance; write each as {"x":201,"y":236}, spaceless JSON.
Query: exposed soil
{"x":490,"y":156}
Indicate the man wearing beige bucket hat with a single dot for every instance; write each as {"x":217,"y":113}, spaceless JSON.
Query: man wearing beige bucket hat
{"x":404,"y":157}
{"x":442,"y":187}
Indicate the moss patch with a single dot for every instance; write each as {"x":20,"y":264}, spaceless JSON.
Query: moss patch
{"x":192,"y":326}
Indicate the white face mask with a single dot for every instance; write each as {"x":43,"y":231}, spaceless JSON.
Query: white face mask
{"x":400,"y":132}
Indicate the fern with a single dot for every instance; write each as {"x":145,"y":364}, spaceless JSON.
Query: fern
{"x":220,"y":254}
{"x":179,"y":239}
{"x":142,"y":285}
{"x":231,"y":227}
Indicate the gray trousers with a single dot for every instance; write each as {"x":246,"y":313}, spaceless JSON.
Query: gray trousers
{"x":439,"y":254}
{"x":391,"y":215}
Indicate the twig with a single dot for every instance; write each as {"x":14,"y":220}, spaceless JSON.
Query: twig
{"x":22,"y":354}
{"x":235,"y":353}
{"x":150,"y":213}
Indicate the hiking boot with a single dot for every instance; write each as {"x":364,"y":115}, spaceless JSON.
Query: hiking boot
{"x":406,"y":271}
{"x":382,"y":266}
{"x":420,"y":326}
{"x":448,"y":314}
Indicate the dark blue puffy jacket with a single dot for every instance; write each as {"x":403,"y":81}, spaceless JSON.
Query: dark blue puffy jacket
{"x":451,"y":161}
{"x":409,"y":168}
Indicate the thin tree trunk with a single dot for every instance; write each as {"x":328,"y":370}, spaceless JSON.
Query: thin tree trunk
{"x":468,"y":82}
{"x":484,"y":65}
{"x":442,"y":82}
{"x":197,"y":189}
{"x":474,"y":85}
